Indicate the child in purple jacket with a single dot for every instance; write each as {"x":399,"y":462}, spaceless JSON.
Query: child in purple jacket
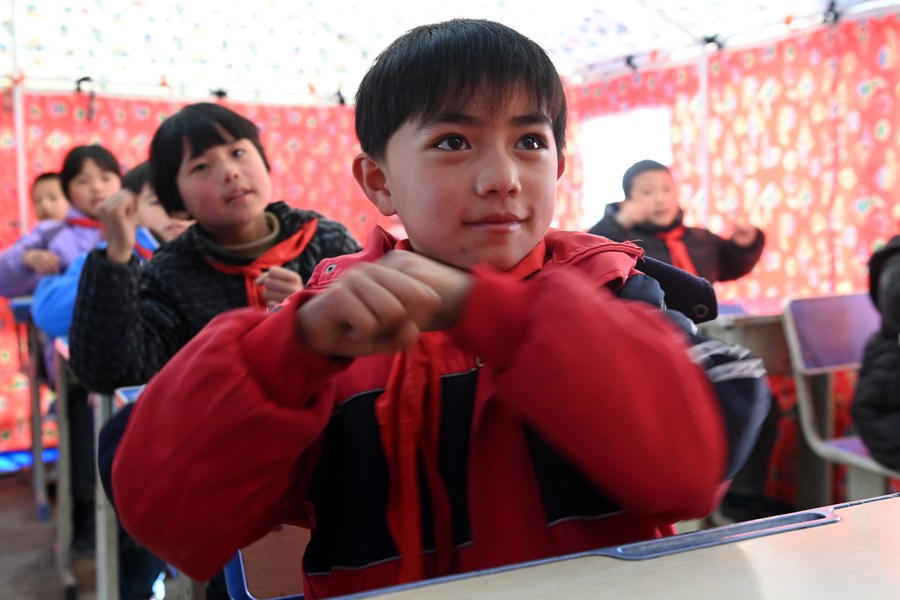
{"x":89,"y":175}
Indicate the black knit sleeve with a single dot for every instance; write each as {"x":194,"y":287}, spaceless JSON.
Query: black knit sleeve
{"x":123,"y":328}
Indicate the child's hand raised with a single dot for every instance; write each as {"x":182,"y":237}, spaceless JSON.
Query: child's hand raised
{"x":278,"y":284}
{"x":118,"y":213}
{"x":631,"y":212}
{"x":373,"y":308}
{"x":744,"y":233}
{"x":42,"y":262}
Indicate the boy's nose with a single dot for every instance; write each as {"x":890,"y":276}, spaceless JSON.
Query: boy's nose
{"x":230,"y":171}
{"x":498,"y":176}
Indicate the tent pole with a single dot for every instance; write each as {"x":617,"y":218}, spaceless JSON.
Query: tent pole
{"x":703,"y":150}
{"x":18,"y":93}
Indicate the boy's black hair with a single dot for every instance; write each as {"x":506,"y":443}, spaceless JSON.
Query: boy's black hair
{"x":75,"y":159}
{"x":201,"y":125}
{"x":642,"y":166}
{"x":46,"y":176}
{"x":437,"y":67}
{"x":135,"y":179}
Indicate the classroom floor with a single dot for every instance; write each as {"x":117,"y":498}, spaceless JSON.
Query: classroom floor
{"x":27,"y":563}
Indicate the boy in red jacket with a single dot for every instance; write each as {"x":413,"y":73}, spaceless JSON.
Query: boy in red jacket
{"x":472,"y":396}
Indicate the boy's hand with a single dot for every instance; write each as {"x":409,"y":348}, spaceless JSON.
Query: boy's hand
{"x":373,"y":308}
{"x":278,"y":284}
{"x":450,"y":283}
{"x":744,"y":234}
{"x":632,"y":212}
{"x":118,"y":213}
{"x":42,"y":262}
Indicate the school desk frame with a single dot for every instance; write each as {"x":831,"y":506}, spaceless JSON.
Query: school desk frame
{"x":30,"y":362}
{"x":826,"y":335}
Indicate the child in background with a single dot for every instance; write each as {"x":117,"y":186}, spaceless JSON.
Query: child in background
{"x":470,"y":397}
{"x":48,"y":198}
{"x":651,"y":218}
{"x":52,"y":306}
{"x":54,"y":299}
{"x":208,"y":162}
{"x":876,"y":401}
{"x":89,"y":175}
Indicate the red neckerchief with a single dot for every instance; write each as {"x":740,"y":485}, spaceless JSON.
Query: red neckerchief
{"x":282,"y":252}
{"x":143,"y":252}
{"x":409,"y":419}
{"x":675,"y":243}
{"x":84,"y":222}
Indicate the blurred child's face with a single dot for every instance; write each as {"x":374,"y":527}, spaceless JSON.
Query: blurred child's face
{"x":154,"y":217}
{"x":226,"y":189}
{"x":474,"y":186}
{"x":49,"y":200}
{"x":656,"y":191}
{"x":92,"y":186}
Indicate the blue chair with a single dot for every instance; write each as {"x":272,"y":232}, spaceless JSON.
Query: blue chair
{"x":825,"y":335}
{"x":269,"y":568}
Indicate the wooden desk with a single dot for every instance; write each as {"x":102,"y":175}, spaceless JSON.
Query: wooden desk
{"x":854,"y":555}
{"x":30,"y":363}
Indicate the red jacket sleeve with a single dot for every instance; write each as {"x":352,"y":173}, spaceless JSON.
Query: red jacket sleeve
{"x":608,"y":383}
{"x":215,"y":447}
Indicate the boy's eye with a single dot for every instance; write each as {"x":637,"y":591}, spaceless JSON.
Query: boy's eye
{"x":532,"y":142}
{"x":238,"y":152}
{"x":453,"y":142}
{"x":198,"y":168}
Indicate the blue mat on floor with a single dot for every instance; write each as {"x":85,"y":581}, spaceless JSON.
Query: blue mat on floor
{"x":10,"y":462}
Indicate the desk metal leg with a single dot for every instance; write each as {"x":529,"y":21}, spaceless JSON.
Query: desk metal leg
{"x":38,"y":469}
{"x":107,"y":527}
{"x":814,"y":474}
{"x":180,"y":587}
{"x":64,"y":482}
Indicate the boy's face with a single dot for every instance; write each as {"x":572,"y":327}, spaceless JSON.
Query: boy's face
{"x":154,"y":217}
{"x":49,"y":201}
{"x":92,"y":186}
{"x":655,"y":190}
{"x":471,"y":186}
{"x":226,"y":189}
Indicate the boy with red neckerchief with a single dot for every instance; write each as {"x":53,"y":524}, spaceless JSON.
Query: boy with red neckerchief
{"x":472,"y":396}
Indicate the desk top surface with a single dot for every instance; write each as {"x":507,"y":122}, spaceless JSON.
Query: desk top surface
{"x":853,"y":557}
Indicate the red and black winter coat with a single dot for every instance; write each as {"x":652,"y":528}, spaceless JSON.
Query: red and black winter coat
{"x":715,"y":258}
{"x":570,"y":420}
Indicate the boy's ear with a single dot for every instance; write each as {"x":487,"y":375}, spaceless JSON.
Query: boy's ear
{"x":372,"y":180}
{"x":561,"y":167}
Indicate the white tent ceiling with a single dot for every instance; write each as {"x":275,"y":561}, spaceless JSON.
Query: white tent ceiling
{"x":305,"y":51}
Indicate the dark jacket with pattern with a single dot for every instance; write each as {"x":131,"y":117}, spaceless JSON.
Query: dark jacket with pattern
{"x":876,"y":403}
{"x":129,"y":320}
{"x":715,"y":258}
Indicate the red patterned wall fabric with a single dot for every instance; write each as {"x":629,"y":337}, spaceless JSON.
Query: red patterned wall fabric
{"x":803,"y":137}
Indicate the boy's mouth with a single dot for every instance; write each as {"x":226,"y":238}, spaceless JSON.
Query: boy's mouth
{"x":236,"y":195}
{"x":498,"y":222}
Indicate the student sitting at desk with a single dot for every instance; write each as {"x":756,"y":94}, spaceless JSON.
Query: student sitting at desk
{"x":473,"y":396}
{"x":52,"y":308}
{"x":876,"y":403}
{"x":651,"y":218}
{"x":244,"y":250}
{"x":208,"y":162}
{"x":89,"y":175}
